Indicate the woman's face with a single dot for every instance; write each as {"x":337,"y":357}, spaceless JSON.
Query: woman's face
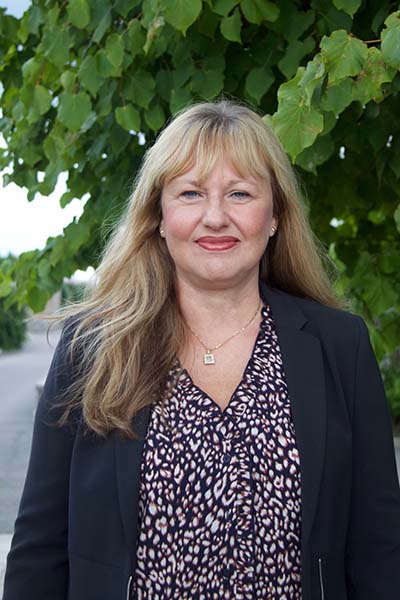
{"x":217,"y":232}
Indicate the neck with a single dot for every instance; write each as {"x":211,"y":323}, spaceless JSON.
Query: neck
{"x":217,"y":313}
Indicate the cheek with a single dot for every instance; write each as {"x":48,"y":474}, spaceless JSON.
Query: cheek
{"x":178,"y":224}
{"x":258,"y":222}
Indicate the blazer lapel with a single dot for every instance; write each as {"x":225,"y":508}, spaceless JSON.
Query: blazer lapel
{"x":128,"y":455}
{"x":304,"y":369}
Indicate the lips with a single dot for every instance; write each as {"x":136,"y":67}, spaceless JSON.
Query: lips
{"x":217,"y":243}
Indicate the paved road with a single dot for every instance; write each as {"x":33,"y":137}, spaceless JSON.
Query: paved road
{"x":19,"y":373}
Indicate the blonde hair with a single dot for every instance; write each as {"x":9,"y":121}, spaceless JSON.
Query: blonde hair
{"x":129,"y":329}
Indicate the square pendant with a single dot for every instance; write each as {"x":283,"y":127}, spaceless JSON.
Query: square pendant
{"x":209,"y":359}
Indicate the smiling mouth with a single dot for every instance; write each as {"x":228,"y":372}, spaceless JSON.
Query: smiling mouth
{"x":217,"y":244}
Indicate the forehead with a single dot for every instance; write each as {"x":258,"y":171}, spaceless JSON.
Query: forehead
{"x":223,"y":168}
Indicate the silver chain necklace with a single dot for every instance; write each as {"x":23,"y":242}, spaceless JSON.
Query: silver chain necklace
{"x":209,"y":357}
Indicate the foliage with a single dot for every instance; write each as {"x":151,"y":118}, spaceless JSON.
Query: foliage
{"x":72,"y":292}
{"x":82,"y":78}
{"x":12,"y":324}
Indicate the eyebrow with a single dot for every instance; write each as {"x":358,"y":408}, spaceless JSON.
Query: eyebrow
{"x":230,"y":182}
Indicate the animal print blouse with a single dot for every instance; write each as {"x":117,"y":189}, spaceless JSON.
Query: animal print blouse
{"x":219,"y":509}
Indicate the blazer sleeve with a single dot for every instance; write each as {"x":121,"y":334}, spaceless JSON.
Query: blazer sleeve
{"x":373,"y":548}
{"x":37,"y":564}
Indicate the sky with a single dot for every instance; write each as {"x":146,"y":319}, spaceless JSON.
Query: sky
{"x":27,"y":225}
{"x":15,"y":7}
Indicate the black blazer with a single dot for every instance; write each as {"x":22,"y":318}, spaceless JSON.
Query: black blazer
{"x":75,"y":535}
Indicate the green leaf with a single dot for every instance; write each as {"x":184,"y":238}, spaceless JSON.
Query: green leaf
{"x":79,"y":13}
{"x":293,"y":22}
{"x":296,"y":124}
{"x":181,"y":13}
{"x":231,"y":26}
{"x":207,"y":24}
{"x":224,"y":7}
{"x":41,"y":99}
{"x":46,"y":187}
{"x":139,"y":88}
{"x":312,"y":78}
{"x":337,"y":97}
{"x":23,"y":31}
{"x":106,"y":93}
{"x":207,"y":82}
{"x":74,"y":109}
{"x":348,"y":6}
{"x":153,"y":31}
{"x":6,"y":285}
{"x":37,"y":298}
{"x":258,"y":82}
{"x":368,"y":85}
{"x":31,"y":69}
{"x":76,"y":234}
{"x":104,"y":68}
{"x":56,"y":47}
{"x":31,"y":155}
{"x":114,"y":49}
{"x":66,"y":199}
{"x":389,"y":261}
{"x":344,"y":55}
{"x":258,"y":11}
{"x":51,"y":17}
{"x":379,"y":294}
{"x":155,"y":117}
{"x":182,"y":74}
{"x":135,"y":37}
{"x":89,"y":76}
{"x":317,"y":154}
{"x":294,"y":54}
{"x":18,"y":111}
{"x":164,"y":83}
{"x":39,"y":103}
{"x":118,"y":139}
{"x":391,"y":41}
{"x":376,"y":216}
{"x":68,"y":79}
{"x":128,"y":117}
{"x":125,"y":6}
{"x":30,"y":22}
{"x":102,"y":27}
{"x":179,"y":99}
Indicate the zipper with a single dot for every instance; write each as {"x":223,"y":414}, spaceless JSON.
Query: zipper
{"x":321,"y":580}
{"x":128,"y":589}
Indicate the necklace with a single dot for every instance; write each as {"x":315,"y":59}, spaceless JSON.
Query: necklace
{"x":208,"y":357}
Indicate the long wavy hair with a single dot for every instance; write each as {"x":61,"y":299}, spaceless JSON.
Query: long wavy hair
{"x":129,"y":328}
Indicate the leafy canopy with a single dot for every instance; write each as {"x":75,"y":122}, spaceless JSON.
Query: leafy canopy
{"x":81,"y":78}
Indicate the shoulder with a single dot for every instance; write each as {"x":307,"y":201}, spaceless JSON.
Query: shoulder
{"x":331,"y":325}
{"x":327,"y":315}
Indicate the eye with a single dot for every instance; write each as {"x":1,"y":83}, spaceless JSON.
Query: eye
{"x":190,"y":193}
{"x":240,"y":195}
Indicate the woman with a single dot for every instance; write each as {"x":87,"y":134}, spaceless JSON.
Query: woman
{"x":222,"y":430}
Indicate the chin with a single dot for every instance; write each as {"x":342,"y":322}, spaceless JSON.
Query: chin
{"x":223,"y":279}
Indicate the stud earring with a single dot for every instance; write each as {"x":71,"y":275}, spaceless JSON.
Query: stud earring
{"x":273,"y":229}
{"x":161,"y":231}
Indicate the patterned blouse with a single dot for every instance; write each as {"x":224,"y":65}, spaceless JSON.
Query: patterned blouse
{"x":219,"y":507}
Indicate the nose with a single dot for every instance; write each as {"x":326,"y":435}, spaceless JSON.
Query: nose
{"x":215,"y":213}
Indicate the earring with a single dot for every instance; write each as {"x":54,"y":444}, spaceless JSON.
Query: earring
{"x":273,"y":229}
{"x":161,"y":228}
